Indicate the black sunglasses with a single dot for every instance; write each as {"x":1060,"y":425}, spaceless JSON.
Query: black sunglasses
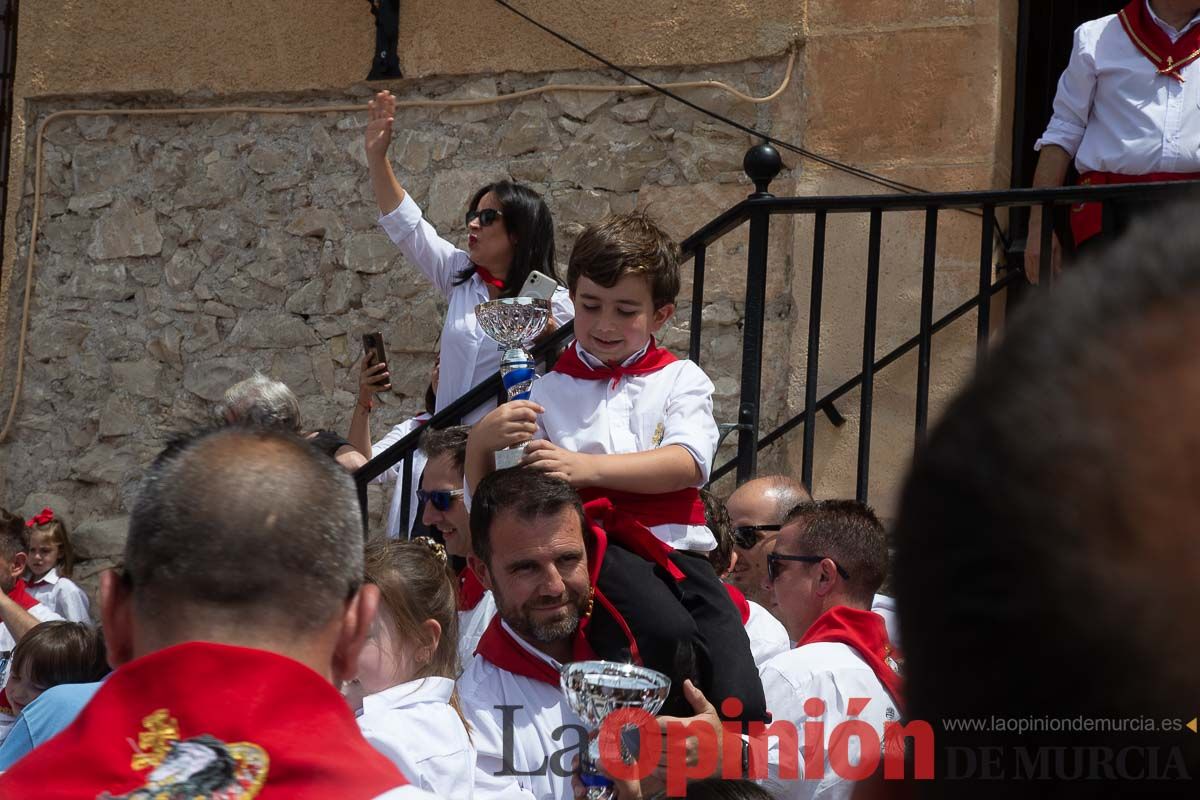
{"x":441,"y":499}
{"x":747,"y":536}
{"x":773,"y":560}
{"x":486,"y":216}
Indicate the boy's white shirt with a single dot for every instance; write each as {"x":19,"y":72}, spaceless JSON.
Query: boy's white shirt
{"x":672,"y":405}
{"x":541,"y":712}
{"x":416,"y":728}
{"x":62,"y":596}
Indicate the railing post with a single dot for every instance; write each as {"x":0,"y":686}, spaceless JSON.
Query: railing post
{"x":762,"y":163}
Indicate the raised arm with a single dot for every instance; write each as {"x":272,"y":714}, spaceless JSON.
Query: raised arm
{"x":381,"y":114}
{"x":18,"y":621}
{"x":371,"y":379}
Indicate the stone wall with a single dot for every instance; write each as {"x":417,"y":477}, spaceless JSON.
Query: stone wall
{"x":179,"y":253}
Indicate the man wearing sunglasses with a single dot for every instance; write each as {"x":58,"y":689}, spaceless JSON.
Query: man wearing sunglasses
{"x":756,"y":511}
{"x":828,"y":560}
{"x":441,"y":492}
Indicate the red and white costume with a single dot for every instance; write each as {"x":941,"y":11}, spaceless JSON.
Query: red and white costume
{"x":844,"y":659}
{"x":476,"y":607}
{"x":1128,"y":104}
{"x":207,"y":720}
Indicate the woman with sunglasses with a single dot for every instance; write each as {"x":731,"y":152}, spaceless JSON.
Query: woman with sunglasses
{"x":510,"y":233}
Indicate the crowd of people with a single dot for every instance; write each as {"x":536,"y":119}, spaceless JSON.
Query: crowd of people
{"x":261,"y":645}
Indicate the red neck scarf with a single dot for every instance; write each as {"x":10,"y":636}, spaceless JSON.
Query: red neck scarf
{"x":1154,"y":43}
{"x":19,"y":595}
{"x":654,"y":359}
{"x":288,"y":732}
{"x":499,"y":647}
{"x":487,"y":277}
{"x":470,"y":590}
{"x":866,"y":633}
{"x":740,"y":601}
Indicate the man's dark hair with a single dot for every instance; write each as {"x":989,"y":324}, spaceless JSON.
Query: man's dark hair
{"x":716,"y":517}
{"x":1048,"y":552}
{"x":12,"y":534}
{"x":244,"y":525}
{"x":450,"y":441}
{"x":848,"y":532}
{"x":528,"y":493}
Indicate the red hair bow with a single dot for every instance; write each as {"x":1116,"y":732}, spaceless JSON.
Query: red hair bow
{"x":45,"y":517}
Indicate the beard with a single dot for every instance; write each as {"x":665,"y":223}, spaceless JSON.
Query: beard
{"x":547,"y":631}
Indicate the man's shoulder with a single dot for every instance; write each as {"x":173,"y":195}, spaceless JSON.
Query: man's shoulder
{"x":808,"y":663}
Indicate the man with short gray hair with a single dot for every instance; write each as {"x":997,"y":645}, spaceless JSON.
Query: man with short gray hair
{"x":240,"y":606}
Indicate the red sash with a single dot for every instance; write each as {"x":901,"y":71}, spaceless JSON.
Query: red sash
{"x":1167,"y":57}
{"x":285,"y":731}
{"x":470,"y":590}
{"x":682,"y":507}
{"x":654,"y":359}
{"x":631,"y":533}
{"x":20,"y":596}
{"x":866,"y":632}
{"x":488,"y":278}
{"x":499,"y":647}
{"x":1087,"y":219}
{"x":739,"y":600}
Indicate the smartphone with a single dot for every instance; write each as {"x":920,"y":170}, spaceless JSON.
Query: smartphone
{"x":373,"y":347}
{"x":538,"y":285}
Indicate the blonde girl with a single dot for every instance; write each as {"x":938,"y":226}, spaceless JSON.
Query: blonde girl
{"x":50,"y":561}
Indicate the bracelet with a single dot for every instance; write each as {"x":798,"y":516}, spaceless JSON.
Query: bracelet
{"x":369,"y":405}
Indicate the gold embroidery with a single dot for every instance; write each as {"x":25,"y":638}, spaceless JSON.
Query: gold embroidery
{"x":153,"y":743}
{"x":1137,"y":41}
{"x":659,"y":433}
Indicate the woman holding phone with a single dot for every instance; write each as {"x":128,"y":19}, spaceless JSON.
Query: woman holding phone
{"x":510,"y":235}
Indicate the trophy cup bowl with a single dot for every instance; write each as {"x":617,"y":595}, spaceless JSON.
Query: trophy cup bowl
{"x":595,"y":689}
{"x":514,"y":322}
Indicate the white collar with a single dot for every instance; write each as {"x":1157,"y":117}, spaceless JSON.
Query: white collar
{"x":596,"y":363}
{"x":50,"y":577}
{"x":1171,"y":32}
{"x":530,"y":648}
{"x":403,"y":695}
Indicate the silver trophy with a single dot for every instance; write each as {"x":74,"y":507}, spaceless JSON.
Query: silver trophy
{"x":595,"y":689}
{"x":514,"y":322}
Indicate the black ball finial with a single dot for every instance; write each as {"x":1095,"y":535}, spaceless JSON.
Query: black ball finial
{"x":762,"y":163}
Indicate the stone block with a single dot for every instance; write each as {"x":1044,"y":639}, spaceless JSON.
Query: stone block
{"x":371,"y":253}
{"x":101,"y":538}
{"x":639,"y":110}
{"x":271,"y":329}
{"x":56,"y":338}
{"x":123,"y":233}
{"x":103,"y":281}
{"x":118,"y":417}
{"x":449,"y":194}
{"x":528,"y":129}
{"x":266,"y":160}
{"x":36,"y":501}
{"x":103,"y":463}
{"x":100,"y":166}
{"x":317,"y":222}
{"x":580,"y":105}
{"x":182,"y":270}
{"x":138,"y":378}
{"x":210,"y":378}
{"x":86,"y":202}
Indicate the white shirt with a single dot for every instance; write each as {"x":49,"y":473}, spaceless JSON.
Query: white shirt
{"x":471,"y":625}
{"x":393,"y":528}
{"x":539,"y":724}
{"x":670,"y":406}
{"x":407,"y":793}
{"x":62,"y":596}
{"x":414,"y":725}
{"x":39,"y":612}
{"x":469,"y":355}
{"x":835,"y":673}
{"x":1115,"y":113}
{"x":885,"y":607}
{"x":768,"y":637}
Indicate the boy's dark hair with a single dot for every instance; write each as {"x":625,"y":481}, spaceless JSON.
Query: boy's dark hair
{"x":450,"y":441}
{"x":848,"y":532}
{"x":58,"y":652}
{"x":626,"y":244}
{"x":527,"y":217}
{"x":1047,"y":532}
{"x":716,"y":516}
{"x":529,"y":493}
{"x":12,"y":534}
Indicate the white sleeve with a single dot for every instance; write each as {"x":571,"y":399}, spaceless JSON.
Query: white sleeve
{"x":394,"y":435}
{"x":72,"y":602}
{"x":689,"y":418}
{"x":437,"y":259}
{"x":561,"y":306}
{"x":785,"y":702}
{"x":488,"y":739}
{"x":1076,"y":91}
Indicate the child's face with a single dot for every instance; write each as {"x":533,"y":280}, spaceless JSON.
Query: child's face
{"x":43,"y":553}
{"x":385,"y":661}
{"x":612,"y":324}
{"x":20,"y":692}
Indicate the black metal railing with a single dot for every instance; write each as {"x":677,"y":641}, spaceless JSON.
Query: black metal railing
{"x":8,"y":70}
{"x":762,"y":164}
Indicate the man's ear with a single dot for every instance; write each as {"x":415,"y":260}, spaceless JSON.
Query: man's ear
{"x":476,"y":565}
{"x":17,"y":565}
{"x":661,"y":315}
{"x":357,"y":616}
{"x":116,"y":616}
{"x":828,"y":577}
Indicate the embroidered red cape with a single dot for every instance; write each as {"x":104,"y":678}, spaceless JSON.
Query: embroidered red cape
{"x":1153,"y":42}
{"x":866,"y":632}
{"x":290,"y":733}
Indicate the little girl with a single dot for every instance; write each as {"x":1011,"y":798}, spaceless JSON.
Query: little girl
{"x":404,"y":692}
{"x":50,"y":654}
{"x":50,"y":560}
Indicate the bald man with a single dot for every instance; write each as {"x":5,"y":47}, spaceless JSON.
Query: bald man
{"x":756,"y":511}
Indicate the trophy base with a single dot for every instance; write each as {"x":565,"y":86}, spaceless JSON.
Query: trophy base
{"x":510,"y":456}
